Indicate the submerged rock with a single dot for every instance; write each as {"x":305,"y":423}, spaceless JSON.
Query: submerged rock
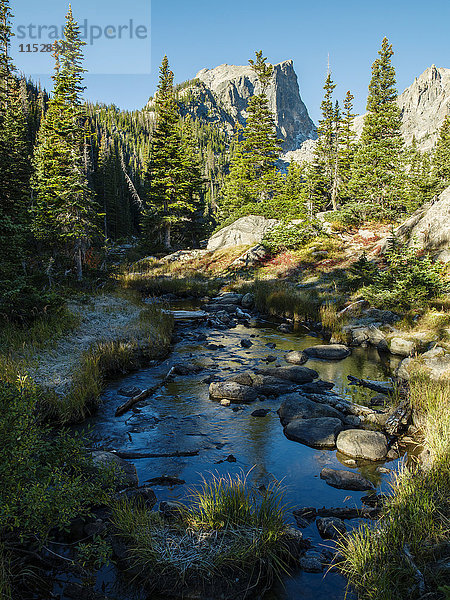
{"x":285,"y":328}
{"x":316,"y":433}
{"x":328,"y":352}
{"x":246,"y":343}
{"x":331,"y":528}
{"x":260,"y":412}
{"x":295,"y":374}
{"x":312,"y":562}
{"x":369,"y":445}
{"x":345,"y":480}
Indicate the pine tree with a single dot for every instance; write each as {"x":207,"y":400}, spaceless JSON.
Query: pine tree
{"x":253,"y":174}
{"x":173,"y":171}
{"x":441,"y":157}
{"x":292,"y":200}
{"x":325,"y":171}
{"x":347,"y":144}
{"x":64,"y":211}
{"x":14,"y":174}
{"x":377,"y":170}
{"x":420,"y":180}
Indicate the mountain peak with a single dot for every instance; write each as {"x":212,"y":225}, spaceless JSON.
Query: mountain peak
{"x":233,"y":86}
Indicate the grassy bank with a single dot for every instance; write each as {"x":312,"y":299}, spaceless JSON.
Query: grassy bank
{"x":70,"y":355}
{"x":400,"y":557}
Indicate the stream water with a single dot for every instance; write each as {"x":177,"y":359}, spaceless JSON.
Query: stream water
{"x":181,"y":416}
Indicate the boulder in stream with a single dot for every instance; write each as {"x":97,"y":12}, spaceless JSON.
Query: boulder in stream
{"x":331,"y":528}
{"x":295,"y":406}
{"x":296,"y":357}
{"x":345,"y":480}
{"x":316,"y":433}
{"x":328,"y":351}
{"x":368,"y":445}
{"x":230,"y":390}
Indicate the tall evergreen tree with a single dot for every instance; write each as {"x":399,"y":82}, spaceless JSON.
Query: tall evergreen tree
{"x":325,"y":169}
{"x":441,"y":157}
{"x":173,"y":169}
{"x":377,"y":170}
{"x":64,"y":211}
{"x":347,"y":143}
{"x":14,"y":174}
{"x":253,"y":175}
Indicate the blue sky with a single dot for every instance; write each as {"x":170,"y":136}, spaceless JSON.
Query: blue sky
{"x":203,"y":33}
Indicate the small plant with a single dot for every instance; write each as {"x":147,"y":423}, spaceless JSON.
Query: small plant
{"x":363,"y":272}
{"x":94,"y":555}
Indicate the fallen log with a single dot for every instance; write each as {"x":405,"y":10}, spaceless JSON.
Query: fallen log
{"x":123,"y":408}
{"x":381,"y":387}
{"x":136,"y":455}
{"x":309,"y":514}
{"x":399,"y":420}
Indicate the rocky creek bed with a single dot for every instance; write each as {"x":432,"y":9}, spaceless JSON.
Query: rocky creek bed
{"x":225,"y":409}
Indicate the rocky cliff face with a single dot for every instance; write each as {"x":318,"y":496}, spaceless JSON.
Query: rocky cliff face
{"x":424,"y":105}
{"x":222,"y":94}
{"x":429,"y":227}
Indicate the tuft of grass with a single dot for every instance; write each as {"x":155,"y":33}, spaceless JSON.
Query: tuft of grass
{"x":417,"y":515}
{"x":280,"y":299}
{"x":332,"y":321}
{"x":229,"y":537}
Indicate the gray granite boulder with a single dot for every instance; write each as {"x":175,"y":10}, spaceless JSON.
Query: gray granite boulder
{"x":246,"y":231}
{"x":368,"y":445}
{"x":296,"y":357}
{"x":295,"y":406}
{"x":230,"y":390}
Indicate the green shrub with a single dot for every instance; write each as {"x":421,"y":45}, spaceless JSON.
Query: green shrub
{"x":47,"y":479}
{"x":408,"y":280}
{"x":288,"y":236}
{"x":362,"y":272}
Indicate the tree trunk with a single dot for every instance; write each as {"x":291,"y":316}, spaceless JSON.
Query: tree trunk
{"x":79,"y":261}
{"x":167,"y":236}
